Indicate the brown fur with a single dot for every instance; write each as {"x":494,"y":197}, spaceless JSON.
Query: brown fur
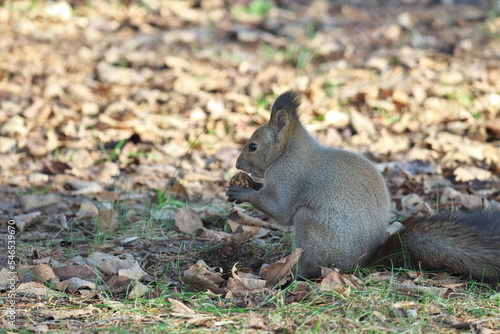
{"x":337,"y":202}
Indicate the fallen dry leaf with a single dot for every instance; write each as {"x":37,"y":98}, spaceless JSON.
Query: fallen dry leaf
{"x":413,"y":288}
{"x":32,"y":288}
{"x":179,"y":307}
{"x":30,"y":202}
{"x":255,"y":322}
{"x":24,"y":221}
{"x":87,"y":211}
{"x":84,"y":187}
{"x":201,"y":278}
{"x":107,"y":218}
{"x":75,"y":284}
{"x":119,"y":284}
{"x":282,"y":270}
{"x":414,"y":203}
{"x":138,"y":290}
{"x":335,"y":281}
{"x":241,"y":218}
{"x":81,"y":271}
{"x":241,"y":283}
{"x":214,"y":235}
{"x":471,"y":173}
{"x":44,"y":273}
{"x":7,"y":277}
{"x":188,"y":221}
{"x":247,"y":232}
{"x":67,"y":314}
{"x":124,"y":264}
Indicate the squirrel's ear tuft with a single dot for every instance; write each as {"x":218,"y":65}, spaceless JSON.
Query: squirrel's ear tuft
{"x":288,"y":101}
{"x":284,"y":116}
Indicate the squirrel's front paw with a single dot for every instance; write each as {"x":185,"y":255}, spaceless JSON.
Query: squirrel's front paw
{"x":238,"y":194}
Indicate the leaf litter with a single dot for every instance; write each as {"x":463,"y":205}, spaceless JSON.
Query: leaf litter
{"x":122,"y":120}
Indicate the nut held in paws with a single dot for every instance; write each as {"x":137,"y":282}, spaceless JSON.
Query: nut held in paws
{"x":241,"y":179}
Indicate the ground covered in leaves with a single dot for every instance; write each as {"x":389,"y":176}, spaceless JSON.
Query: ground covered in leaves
{"x":120,"y":124}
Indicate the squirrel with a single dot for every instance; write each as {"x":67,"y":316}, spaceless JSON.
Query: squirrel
{"x":338,"y":205}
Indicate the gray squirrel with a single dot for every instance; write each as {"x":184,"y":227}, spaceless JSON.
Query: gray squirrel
{"x":338,"y":205}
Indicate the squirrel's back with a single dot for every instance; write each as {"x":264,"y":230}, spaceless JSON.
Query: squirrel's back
{"x":466,"y":243}
{"x":344,"y":211}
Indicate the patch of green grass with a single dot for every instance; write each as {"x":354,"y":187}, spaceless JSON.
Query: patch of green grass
{"x":38,"y":191}
{"x":466,"y":99}
{"x":310,"y":30}
{"x":258,"y":8}
{"x":267,"y":52}
{"x":305,"y":58}
{"x":319,"y":118}
{"x":115,"y":152}
{"x":293,"y":54}
{"x":263,"y":102}
{"x":330,"y":87}
{"x":494,"y":11}
{"x":386,"y":116}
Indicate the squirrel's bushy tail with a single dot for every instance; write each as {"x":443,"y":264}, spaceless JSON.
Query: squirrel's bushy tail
{"x":465,"y":243}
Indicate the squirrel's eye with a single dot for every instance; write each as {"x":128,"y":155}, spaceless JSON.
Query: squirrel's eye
{"x":252,"y":147}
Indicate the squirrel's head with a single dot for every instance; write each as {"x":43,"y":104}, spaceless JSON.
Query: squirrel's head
{"x":270,"y":140}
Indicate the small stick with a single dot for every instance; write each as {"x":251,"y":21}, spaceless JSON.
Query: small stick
{"x":244,"y":219}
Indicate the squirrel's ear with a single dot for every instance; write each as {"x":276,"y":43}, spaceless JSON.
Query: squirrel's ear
{"x":284,"y":115}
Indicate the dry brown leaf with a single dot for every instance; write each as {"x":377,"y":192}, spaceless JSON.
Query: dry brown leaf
{"x":30,"y":288}
{"x":247,"y":232}
{"x":241,"y":283}
{"x":301,"y":292}
{"x":107,"y":171}
{"x":123,"y":264}
{"x":87,"y":211}
{"x":449,"y":195}
{"x":201,"y":278}
{"x":107,"y":218}
{"x":180,"y":308}
{"x":44,"y":273}
{"x":256,"y":322}
{"x":67,"y":314}
{"x":390,"y":144}
{"x":119,"y":284}
{"x":362,"y":124}
{"x":471,"y":173}
{"x":84,"y":187}
{"x":281,"y":271}
{"x":81,"y":271}
{"x":30,"y":202}
{"x":188,"y":221}
{"x":214,"y":235}
{"x":134,"y":272}
{"x":470,"y":201}
{"x":26,"y":220}
{"x":75,"y":284}
{"x":406,"y":287}
{"x":414,"y":203}
{"x":7,"y":278}
{"x":335,"y":281}
{"x":138,"y":290}
{"x":239,"y":217}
